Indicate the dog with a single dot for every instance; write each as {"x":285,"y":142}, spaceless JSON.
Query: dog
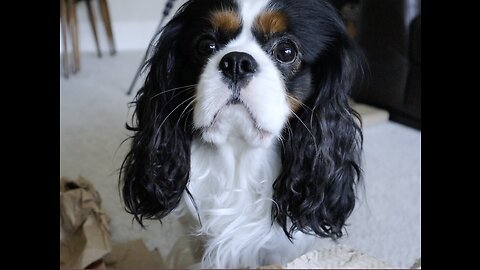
{"x":244,"y":119}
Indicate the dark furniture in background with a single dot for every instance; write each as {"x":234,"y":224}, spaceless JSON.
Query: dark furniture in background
{"x":389,"y":32}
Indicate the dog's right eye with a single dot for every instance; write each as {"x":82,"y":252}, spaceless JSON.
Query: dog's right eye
{"x":206,"y":46}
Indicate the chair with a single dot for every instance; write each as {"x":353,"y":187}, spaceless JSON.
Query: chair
{"x":69,"y":28}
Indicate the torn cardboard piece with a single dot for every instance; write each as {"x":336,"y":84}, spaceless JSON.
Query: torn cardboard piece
{"x":417,"y":264}
{"x":84,"y":226}
{"x":337,"y":257}
{"x":133,"y":255}
{"x":272,"y":266}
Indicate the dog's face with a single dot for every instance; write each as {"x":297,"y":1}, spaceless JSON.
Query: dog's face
{"x":262,"y":71}
{"x":249,"y":58}
{"x":252,"y":63}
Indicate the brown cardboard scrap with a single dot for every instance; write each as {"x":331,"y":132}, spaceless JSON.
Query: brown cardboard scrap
{"x":272,"y":266}
{"x":100,"y":264}
{"x":336,"y":257}
{"x":185,"y":252}
{"x":84,"y":226}
{"x":417,"y":264}
{"x":133,"y":254}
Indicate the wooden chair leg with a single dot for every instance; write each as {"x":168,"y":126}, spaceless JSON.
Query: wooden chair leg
{"x":91,"y":17}
{"x":72,"y":12}
{"x":63,"y":25}
{"x":108,"y":26}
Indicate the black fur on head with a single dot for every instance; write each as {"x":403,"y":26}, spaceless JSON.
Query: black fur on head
{"x":323,"y":141}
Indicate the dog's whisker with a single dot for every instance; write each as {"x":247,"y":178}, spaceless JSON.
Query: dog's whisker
{"x":297,"y":101}
{"x":309,"y":131}
{"x":288,"y":126}
{"x":187,"y":115}
{"x":186,"y":107}
{"x":179,"y":105}
{"x":290,"y":134}
{"x":185,"y":88}
{"x":178,"y":88}
{"x":191,"y":124}
{"x":281,"y":139}
{"x":177,"y":94}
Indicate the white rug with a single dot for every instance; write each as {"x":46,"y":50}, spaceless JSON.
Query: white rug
{"x":93,"y":113}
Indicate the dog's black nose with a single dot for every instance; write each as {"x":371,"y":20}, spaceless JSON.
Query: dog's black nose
{"x":237,"y":66}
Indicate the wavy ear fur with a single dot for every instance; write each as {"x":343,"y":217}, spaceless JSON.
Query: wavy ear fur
{"x":155,"y":171}
{"x":321,"y":165}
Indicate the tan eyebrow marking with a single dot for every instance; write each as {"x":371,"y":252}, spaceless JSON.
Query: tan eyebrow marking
{"x":271,"y":22}
{"x":225,"y":21}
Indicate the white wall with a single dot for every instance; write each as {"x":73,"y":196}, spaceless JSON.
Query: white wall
{"x":133,"y":21}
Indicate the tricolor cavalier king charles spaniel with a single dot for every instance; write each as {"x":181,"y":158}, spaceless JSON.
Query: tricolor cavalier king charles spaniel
{"x":244,"y":120}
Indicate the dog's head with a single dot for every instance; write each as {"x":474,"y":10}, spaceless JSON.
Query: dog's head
{"x":263,"y":71}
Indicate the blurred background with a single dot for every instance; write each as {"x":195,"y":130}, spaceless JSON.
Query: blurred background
{"x":102,"y":45}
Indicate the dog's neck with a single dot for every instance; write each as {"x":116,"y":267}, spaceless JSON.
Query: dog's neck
{"x":232,"y":188}
{"x":233,"y":176}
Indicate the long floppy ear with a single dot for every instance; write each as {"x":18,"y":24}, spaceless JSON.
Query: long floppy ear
{"x":155,"y":171}
{"x":321,"y":151}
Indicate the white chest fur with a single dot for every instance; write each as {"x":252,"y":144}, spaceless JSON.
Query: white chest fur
{"x":232,"y":187}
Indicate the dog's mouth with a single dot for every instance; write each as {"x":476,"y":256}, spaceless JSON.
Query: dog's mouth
{"x":237,"y":108}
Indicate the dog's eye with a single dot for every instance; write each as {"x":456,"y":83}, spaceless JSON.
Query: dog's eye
{"x":206,"y":46}
{"x":285,"y":52}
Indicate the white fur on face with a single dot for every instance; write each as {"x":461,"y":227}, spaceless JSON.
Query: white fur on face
{"x":265,"y":108}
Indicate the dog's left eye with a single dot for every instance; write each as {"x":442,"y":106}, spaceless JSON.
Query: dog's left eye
{"x":206,"y":46}
{"x":285,"y":52}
